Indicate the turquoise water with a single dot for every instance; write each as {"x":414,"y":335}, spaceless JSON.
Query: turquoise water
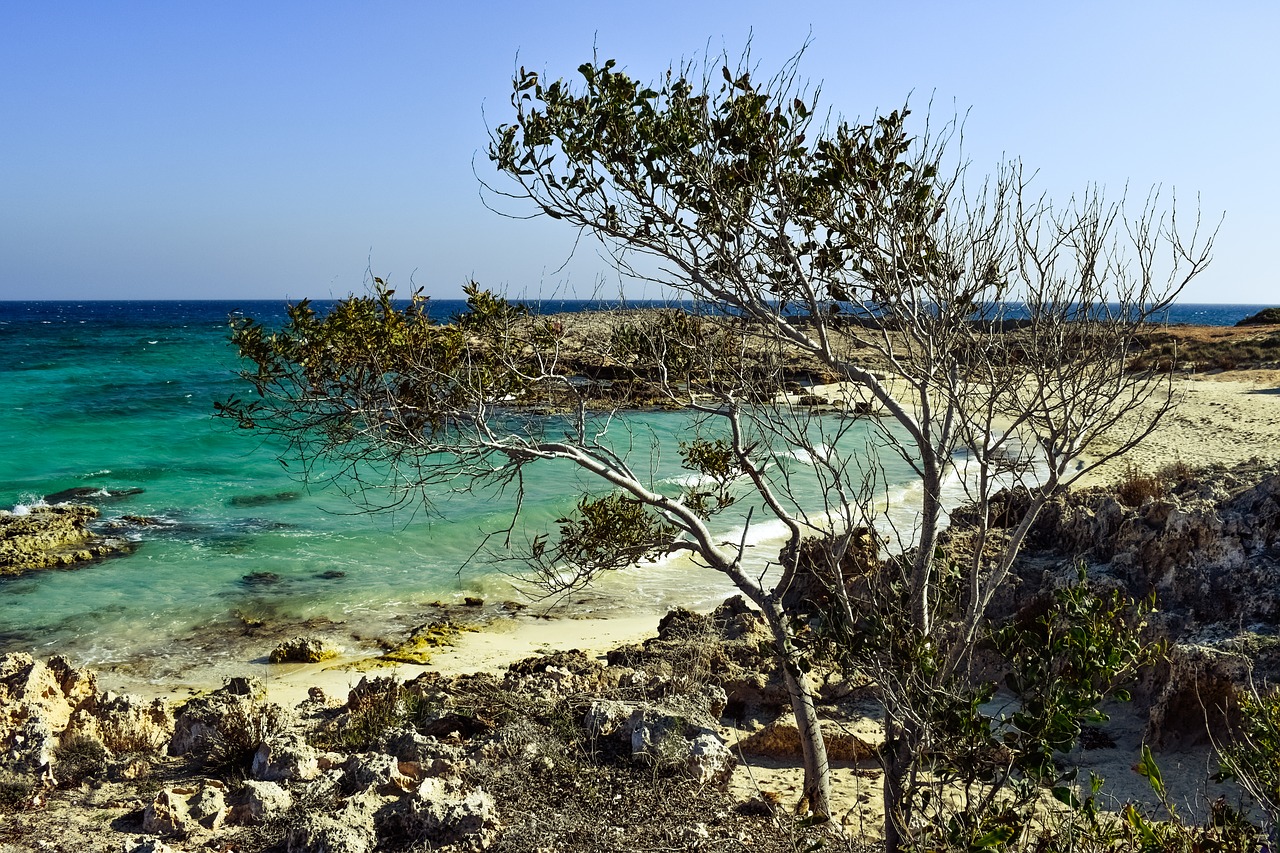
{"x":119,"y":396}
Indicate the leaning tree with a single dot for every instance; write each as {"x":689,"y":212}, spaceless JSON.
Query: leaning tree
{"x":979,"y":332}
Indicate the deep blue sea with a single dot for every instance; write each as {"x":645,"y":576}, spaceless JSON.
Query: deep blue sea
{"x":114,"y":396}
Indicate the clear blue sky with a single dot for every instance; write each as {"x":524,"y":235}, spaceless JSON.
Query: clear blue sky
{"x":269,"y":150}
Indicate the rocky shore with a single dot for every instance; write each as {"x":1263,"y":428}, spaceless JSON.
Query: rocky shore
{"x":57,"y":536}
{"x":560,"y":751}
{"x":683,"y":741}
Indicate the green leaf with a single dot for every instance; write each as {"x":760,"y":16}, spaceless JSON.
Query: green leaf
{"x":1147,"y":767}
{"x":998,"y":836}
{"x":1066,"y":796}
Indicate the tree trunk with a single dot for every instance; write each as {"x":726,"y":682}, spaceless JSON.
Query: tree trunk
{"x":897,"y":802}
{"x":813,"y":749}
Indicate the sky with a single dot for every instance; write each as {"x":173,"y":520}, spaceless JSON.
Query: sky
{"x":249,"y":150}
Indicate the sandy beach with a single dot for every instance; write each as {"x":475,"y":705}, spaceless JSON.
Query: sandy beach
{"x":1218,"y":419}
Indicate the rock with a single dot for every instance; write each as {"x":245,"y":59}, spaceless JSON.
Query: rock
{"x":258,"y":802}
{"x":208,"y":806}
{"x":231,"y":713}
{"x":151,"y":845}
{"x":32,"y":748}
{"x":381,"y":773}
{"x":669,"y":740}
{"x":303,"y":650}
{"x":605,"y":716}
{"x":1265,"y":317}
{"x":37,"y":702}
{"x":1192,"y":695}
{"x":243,"y":686}
{"x":433,"y":757}
{"x":556,"y":674}
{"x":320,"y":833}
{"x":168,"y":814}
{"x":710,"y":760}
{"x":52,"y":537}
{"x":91,"y":494}
{"x":425,"y":640}
{"x":125,"y":724}
{"x":263,"y":500}
{"x":285,"y":758}
{"x":446,"y":814}
{"x":204,"y":718}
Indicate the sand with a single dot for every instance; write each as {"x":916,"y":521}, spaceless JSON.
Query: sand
{"x":1221,"y":418}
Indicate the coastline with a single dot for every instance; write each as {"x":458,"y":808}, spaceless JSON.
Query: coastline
{"x":1223,"y":417}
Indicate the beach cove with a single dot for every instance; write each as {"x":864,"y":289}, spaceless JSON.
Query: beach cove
{"x":112,"y":403}
{"x":472,"y":632}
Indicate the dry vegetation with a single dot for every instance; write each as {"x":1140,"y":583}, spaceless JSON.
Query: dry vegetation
{"x":1208,"y":348}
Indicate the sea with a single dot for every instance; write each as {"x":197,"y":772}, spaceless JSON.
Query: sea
{"x":115,"y":399}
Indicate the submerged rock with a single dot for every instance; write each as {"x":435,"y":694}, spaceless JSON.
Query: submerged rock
{"x":263,"y":500}
{"x":52,"y":537}
{"x":93,"y":494}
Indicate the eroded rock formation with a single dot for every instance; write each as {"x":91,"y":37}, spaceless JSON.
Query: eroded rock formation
{"x":55,"y":536}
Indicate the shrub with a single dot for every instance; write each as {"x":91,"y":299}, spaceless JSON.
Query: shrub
{"x":15,"y":792}
{"x":237,"y":734}
{"x":1136,"y":486}
{"x":1253,"y":758}
{"x":78,"y":758}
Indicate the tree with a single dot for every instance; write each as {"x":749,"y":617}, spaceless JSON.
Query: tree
{"x":989,"y":327}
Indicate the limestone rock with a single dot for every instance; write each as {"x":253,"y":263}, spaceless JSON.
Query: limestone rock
{"x":670,"y":740}
{"x":37,"y":702}
{"x":605,"y":716}
{"x":124,"y":724}
{"x":168,"y":814}
{"x":284,"y":758}
{"x":1192,"y":694}
{"x":710,"y":760}
{"x":52,"y":536}
{"x":379,"y":772}
{"x":320,"y":833}
{"x":229,"y":712}
{"x":446,"y":814}
{"x":432,"y":756}
{"x":303,"y":650}
{"x":781,"y":739}
{"x":258,"y":802}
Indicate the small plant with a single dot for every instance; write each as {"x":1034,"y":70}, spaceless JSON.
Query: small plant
{"x":1136,"y":486}
{"x":15,"y":792}
{"x":237,"y":734}
{"x":374,"y":713}
{"x":78,"y":758}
